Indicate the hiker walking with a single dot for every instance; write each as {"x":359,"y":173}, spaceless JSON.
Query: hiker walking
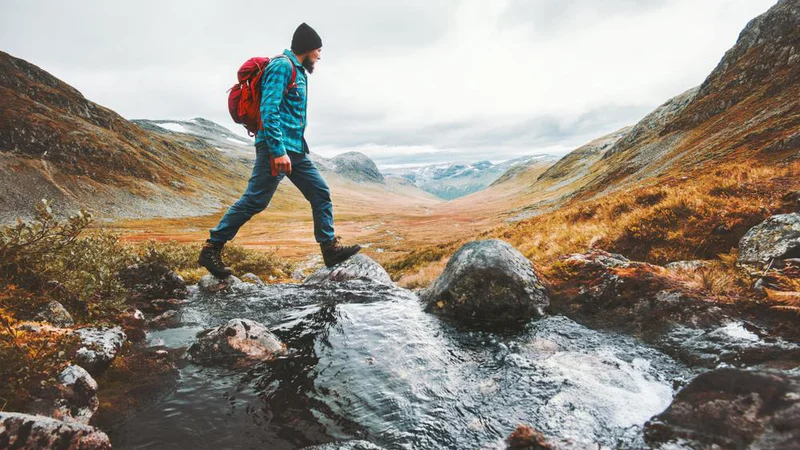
{"x":281,"y":150}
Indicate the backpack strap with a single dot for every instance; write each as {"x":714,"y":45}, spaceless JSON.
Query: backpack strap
{"x":293,"y":81}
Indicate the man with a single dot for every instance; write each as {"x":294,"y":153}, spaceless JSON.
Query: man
{"x":281,"y":142}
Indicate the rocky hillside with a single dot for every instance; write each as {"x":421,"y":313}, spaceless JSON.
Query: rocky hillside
{"x":56,"y":144}
{"x":453,"y":180}
{"x":201,"y":133}
{"x":747,"y":109}
{"x":746,"y":112}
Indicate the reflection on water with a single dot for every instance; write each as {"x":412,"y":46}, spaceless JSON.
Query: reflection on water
{"x":367,"y":363}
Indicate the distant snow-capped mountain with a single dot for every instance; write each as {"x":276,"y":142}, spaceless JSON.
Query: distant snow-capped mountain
{"x":453,"y":180}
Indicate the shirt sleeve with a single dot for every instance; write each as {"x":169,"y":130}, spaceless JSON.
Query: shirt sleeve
{"x":277,"y":77}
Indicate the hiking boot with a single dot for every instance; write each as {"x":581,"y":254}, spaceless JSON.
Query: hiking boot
{"x":211,"y":259}
{"x":335,"y":252}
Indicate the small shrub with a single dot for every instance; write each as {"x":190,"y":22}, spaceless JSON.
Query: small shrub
{"x":726,"y":188}
{"x":582,"y":213}
{"x":650,"y":198}
{"x":619,"y":209}
{"x":264,"y":264}
{"x":29,"y":362}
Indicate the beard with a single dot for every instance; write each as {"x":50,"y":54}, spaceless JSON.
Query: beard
{"x":308,"y":65}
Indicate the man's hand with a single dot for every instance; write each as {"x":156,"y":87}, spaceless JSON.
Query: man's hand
{"x":284,"y":164}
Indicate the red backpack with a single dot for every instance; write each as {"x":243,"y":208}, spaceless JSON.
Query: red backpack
{"x":244,"y":98}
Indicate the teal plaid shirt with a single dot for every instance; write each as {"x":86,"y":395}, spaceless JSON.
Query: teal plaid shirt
{"x":284,"y":116}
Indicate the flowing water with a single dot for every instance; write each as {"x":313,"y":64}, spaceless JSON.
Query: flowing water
{"x":367,"y":363}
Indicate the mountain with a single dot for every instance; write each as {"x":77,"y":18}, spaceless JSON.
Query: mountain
{"x":454,"y":180}
{"x":56,"y":144}
{"x":207,"y":132}
{"x":353,"y":166}
{"x":747,"y":111}
{"x":748,"y":108}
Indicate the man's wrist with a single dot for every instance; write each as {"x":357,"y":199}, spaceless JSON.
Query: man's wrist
{"x":277,"y":153}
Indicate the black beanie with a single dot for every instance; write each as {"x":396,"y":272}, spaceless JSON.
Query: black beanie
{"x":305,"y":39}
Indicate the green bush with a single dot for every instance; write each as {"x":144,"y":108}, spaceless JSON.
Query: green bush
{"x":61,"y":260}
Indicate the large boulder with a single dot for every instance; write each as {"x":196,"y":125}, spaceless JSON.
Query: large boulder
{"x":73,"y":399}
{"x":99,"y":346}
{"x":150,"y":281}
{"x":25,"y":431}
{"x":732,"y":409}
{"x":240,"y":342}
{"x":487,"y":280}
{"x":358,"y":267}
{"x":776,"y":238}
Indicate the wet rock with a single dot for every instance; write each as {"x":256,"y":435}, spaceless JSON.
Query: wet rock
{"x":487,"y":280}
{"x":734,"y":343}
{"x":210,"y":284}
{"x":345,"y":445}
{"x":525,"y":437}
{"x":358,"y":267}
{"x":732,"y":409}
{"x":776,"y":238}
{"x":73,"y":399}
{"x":252,"y":279}
{"x":169,"y":319}
{"x":99,"y":346}
{"x":161,"y":305}
{"x":150,"y":281}
{"x":27,"y":431}
{"x":239,"y":342}
{"x":55,"y":313}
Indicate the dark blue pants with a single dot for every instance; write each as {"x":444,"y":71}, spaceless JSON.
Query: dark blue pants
{"x":262,"y":186}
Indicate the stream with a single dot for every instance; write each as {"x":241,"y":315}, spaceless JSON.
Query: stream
{"x":367,"y":363}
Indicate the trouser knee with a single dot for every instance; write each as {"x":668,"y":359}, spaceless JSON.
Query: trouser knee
{"x":251,"y":205}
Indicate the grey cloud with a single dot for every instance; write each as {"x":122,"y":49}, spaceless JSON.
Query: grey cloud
{"x":117,"y":35}
{"x":548,"y":16}
{"x":539,"y":131}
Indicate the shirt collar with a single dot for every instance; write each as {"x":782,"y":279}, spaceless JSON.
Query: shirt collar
{"x":293,"y":59}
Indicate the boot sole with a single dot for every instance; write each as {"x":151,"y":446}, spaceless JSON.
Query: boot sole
{"x":342,"y":258}
{"x":217,"y":274}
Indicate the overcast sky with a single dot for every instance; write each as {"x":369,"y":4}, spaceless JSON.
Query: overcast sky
{"x":411,"y":81}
